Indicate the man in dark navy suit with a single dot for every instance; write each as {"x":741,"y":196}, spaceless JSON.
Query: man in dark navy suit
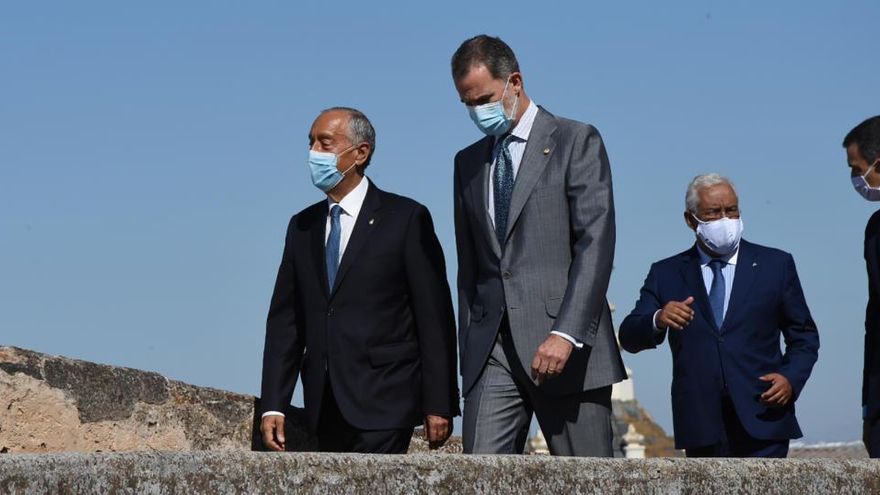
{"x":725,"y":302}
{"x":863,"y":157}
{"x":361,"y":309}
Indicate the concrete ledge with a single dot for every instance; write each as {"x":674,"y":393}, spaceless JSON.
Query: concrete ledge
{"x":247,"y":472}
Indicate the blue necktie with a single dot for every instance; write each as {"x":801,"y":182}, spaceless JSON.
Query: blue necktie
{"x":502,"y":188}
{"x":332,"y":250}
{"x":717,"y":290}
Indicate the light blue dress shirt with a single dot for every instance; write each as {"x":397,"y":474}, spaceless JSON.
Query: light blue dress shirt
{"x":729,"y":271}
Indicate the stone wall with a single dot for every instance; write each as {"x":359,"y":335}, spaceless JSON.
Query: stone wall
{"x":184,"y":439}
{"x":56,"y":404}
{"x":269,"y":473}
{"x":52,"y":404}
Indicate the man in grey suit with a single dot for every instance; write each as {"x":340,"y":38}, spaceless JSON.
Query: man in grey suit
{"x":534,"y":229}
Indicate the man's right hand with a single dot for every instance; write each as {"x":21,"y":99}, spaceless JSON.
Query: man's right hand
{"x":273,"y":432}
{"x":675,"y":315}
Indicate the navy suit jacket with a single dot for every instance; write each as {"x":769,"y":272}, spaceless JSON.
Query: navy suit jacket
{"x":766,"y":301}
{"x":871,"y":377}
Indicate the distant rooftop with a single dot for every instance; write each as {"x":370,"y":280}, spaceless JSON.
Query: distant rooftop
{"x":829,"y":450}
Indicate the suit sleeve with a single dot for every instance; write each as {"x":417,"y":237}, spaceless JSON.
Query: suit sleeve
{"x":285,"y":341}
{"x":591,"y":205}
{"x":464,"y":245}
{"x":434,"y":317}
{"x":871,"y":369}
{"x":637,"y":331}
{"x":799,"y":331}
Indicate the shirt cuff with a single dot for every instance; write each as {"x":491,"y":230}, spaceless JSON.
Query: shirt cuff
{"x":654,"y":321}
{"x":272,"y":413}
{"x":569,"y":338}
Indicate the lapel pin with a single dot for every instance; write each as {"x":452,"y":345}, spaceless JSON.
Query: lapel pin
{"x":372,"y":220}
{"x":754,"y":264}
{"x":546,"y":151}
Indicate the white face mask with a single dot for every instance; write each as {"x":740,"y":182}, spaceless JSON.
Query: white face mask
{"x":863,"y":188}
{"x":722,"y":236}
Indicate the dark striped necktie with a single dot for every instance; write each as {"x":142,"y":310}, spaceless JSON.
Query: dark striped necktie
{"x":502,"y":187}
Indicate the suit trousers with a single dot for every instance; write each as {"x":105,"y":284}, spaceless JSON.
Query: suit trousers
{"x":498,"y":411}
{"x":335,"y":434}
{"x":735,"y":440}
{"x":871,"y":437}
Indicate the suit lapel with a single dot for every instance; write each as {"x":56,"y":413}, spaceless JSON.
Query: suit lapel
{"x":693,"y":278}
{"x":532,"y":165}
{"x":480,"y":194}
{"x":318,"y":232}
{"x":744,"y":276}
{"x":363,"y":227}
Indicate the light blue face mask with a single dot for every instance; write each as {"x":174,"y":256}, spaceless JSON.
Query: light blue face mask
{"x":491,"y":118}
{"x":325,"y":175}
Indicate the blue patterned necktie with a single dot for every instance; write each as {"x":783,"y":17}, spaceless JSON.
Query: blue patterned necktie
{"x":332,"y":250}
{"x":717,"y":290}
{"x":502,"y":185}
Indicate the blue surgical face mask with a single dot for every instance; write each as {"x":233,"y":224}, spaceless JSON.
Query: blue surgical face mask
{"x":325,"y":175}
{"x":860,"y":183}
{"x":491,"y":118}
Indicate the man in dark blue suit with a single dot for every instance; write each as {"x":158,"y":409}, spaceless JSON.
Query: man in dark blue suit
{"x":863,"y":157}
{"x":725,"y":302}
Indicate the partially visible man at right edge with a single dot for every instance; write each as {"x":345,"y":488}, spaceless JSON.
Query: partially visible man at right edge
{"x":863,"y":155}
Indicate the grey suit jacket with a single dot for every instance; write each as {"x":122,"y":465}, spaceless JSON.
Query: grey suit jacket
{"x":553,"y":271}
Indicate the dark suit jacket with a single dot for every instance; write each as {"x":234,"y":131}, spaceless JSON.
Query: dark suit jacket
{"x":871,"y":374}
{"x":766,"y":301}
{"x":552,"y":272}
{"x":384,"y":335}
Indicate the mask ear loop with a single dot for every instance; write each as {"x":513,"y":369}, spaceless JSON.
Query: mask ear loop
{"x":864,"y":176}
{"x":515,"y":102}
{"x":354,"y":164}
{"x":697,"y":219}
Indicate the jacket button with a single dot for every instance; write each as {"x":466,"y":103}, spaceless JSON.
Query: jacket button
{"x":506,"y":275}
{"x":330,"y":312}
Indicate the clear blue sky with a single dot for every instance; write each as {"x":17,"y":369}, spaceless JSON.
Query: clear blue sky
{"x":152,"y":153}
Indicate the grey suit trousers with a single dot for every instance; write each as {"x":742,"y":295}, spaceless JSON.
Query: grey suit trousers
{"x":498,"y":411}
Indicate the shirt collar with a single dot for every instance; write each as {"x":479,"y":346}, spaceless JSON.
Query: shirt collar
{"x":524,"y":126}
{"x":730,"y":259}
{"x":352,"y":202}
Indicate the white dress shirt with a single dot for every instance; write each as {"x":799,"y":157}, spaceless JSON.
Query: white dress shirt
{"x":517,"y":147}
{"x":351,"y":206}
{"x":728,"y":271}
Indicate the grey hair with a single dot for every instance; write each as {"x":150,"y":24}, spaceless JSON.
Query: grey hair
{"x":692,"y":197}
{"x":360,"y":130}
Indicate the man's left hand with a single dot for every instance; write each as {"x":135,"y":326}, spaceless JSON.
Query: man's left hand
{"x":780,"y":391}
{"x":437,"y":430}
{"x":550,"y":358}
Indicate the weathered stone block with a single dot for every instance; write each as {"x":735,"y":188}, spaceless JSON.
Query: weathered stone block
{"x":245,"y":472}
